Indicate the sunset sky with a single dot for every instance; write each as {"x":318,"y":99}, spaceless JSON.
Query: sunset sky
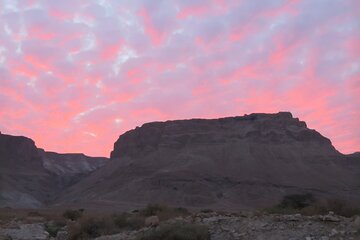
{"x":76,"y":74}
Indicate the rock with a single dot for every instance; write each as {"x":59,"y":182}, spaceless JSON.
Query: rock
{"x":7,"y":237}
{"x":294,"y":217}
{"x":26,"y":232}
{"x":333,"y":232}
{"x":356,"y":223}
{"x":119,"y":236}
{"x":152,"y":221}
{"x":330,"y":218}
{"x":62,"y":235}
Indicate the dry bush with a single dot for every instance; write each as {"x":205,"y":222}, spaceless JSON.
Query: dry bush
{"x":306,"y":204}
{"x":128,"y":221}
{"x":297,"y":201}
{"x":72,"y":214}
{"x":172,"y":213}
{"x":177,"y":232}
{"x":163,"y":212}
{"x":53,"y":228}
{"x":90,"y":227}
{"x":337,"y":206}
{"x":135,"y":222}
{"x":153,"y":209}
{"x":9,"y":214}
{"x":206,"y":210}
{"x":34,"y":214}
{"x":120,"y":220}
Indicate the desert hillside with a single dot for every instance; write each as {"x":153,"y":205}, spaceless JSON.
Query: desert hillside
{"x":229,"y":163}
{"x":31,"y":177}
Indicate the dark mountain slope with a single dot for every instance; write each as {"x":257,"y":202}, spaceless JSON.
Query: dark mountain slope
{"x":31,"y":177}
{"x":235,"y":162}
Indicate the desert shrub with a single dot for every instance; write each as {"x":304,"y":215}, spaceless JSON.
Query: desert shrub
{"x":297,"y":201}
{"x":34,"y":214}
{"x":182,"y":210}
{"x":291,"y":204}
{"x":169,"y":213}
{"x":7,"y":237}
{"x":91,"y":227}
{"x":52,"y":229}
{"x":177,"y":232}
{"x":120,"y":220}
{"x":153,"y":209}
{"x":206,"y":210}
{"x":163,"y":212}
{"x":135,"y":222}
{"x":130,"y":221}
{"x":306,"y":204}
{"x":72,"y":214}
{"x":337,"y":206}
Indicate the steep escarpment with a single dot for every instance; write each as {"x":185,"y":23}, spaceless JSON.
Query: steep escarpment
{"x":236,"y":162}
{"x":31,"y":177}
{"x":24,"y":182}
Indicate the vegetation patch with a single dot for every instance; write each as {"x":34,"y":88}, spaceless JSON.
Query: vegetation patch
{"x":307,"y":204}
{"x":177,"y":232}
{"x":337,"y":206}
{"x":73,"y":214}
{"x":90,"y":227}
{"x":297,"y":201}
{"x":206,"y":210}
{"x":163,"y":212}
{"x":52,"y":229}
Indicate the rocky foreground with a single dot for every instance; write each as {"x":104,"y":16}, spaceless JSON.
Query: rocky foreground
{"x":221,"y":227}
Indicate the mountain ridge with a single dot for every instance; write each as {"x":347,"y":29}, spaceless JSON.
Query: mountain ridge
{"x":29,"y":176}
{"x":254,"y":159}
{"x":236,"y":162}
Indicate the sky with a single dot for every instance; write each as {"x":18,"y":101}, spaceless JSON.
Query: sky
{"x":76,"y":74}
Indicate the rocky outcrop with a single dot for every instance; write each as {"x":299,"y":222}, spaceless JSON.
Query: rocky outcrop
{"x":236,"y":162}
{"x":272,"y":129}
{"x":23,"y":180}
{"x":25,"y":232}
{"x":71,"y":163}
{"x":18,"y":152}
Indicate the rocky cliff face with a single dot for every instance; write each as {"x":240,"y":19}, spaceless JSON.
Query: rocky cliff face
{"x":15,"y":150}
{"x":273,"y":129}
{"x":31,"y":177}
{"x":235,"y":162}
{"x":71,"y":163}
{"x":23,"y":180}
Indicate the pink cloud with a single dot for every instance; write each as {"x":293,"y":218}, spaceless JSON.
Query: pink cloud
{"x":155,"y":34}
